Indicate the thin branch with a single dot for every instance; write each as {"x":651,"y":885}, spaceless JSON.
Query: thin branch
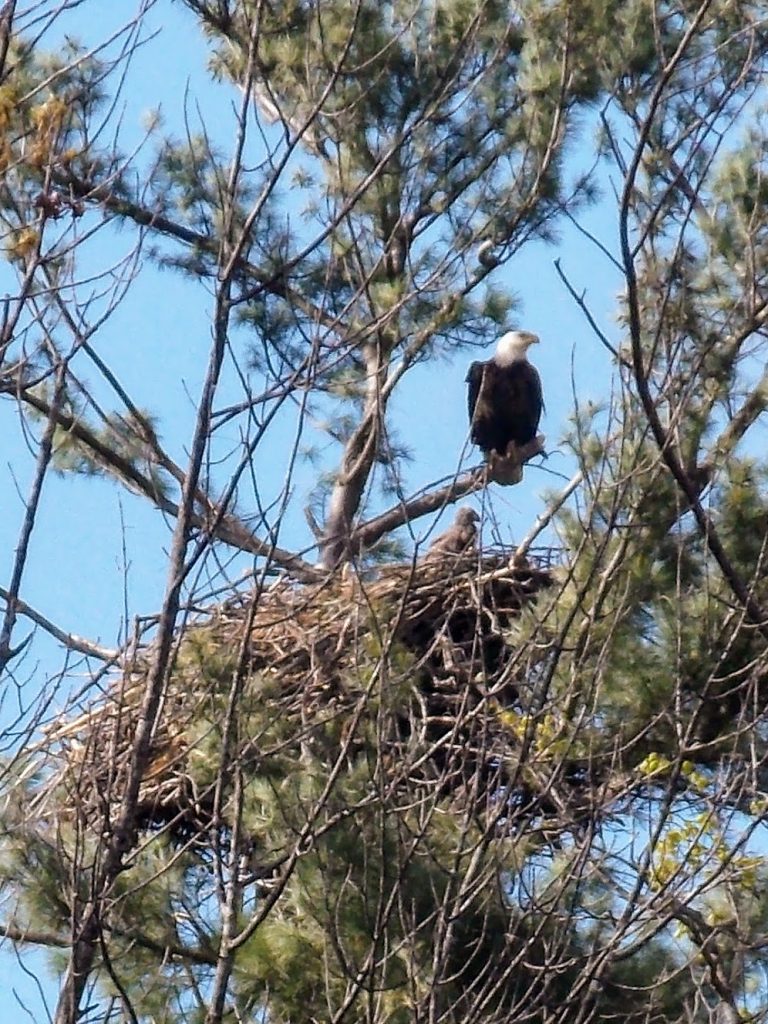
{"x":69,"y":640}
{"x":663,"y":440}
{"x":580,"y":302}
{"x":543,"y":519}
{"x":32,"y":506}
{"x":55,"y":940}
{"x":367,"y":534}
{"x":226,"y":528}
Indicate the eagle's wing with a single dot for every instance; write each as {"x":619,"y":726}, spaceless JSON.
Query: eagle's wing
{"x":536,"y":397}
{"x":475,"y":380}
{"x":456,"y":540}
{"x":524,"y":394}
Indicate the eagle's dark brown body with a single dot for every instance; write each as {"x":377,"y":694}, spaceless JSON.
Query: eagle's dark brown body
{"x":505,"y":404}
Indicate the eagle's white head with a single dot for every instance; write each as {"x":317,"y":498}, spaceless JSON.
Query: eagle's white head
{"x":513,"y":346}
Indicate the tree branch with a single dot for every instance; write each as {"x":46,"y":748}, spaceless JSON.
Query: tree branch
{"x":663,"y":440}
{"x":32,"y":505}
{"x":69,"y":640}
{"x":55,"y":940}
{"x":365,"y":535}
{"x":226,"y":528}
{"x":273,"y":282}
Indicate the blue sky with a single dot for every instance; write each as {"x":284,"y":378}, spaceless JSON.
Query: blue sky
{"x":99,"y":552}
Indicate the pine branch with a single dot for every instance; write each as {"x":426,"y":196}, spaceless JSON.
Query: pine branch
{"x":753,"y":407}
{"x":55,"y":940}
{"x":274,"y":283}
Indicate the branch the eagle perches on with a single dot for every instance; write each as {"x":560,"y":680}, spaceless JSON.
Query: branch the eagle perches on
{"x":504,"y":469}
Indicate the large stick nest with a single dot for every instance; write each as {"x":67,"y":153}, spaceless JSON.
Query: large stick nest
{"x":429,"y":641}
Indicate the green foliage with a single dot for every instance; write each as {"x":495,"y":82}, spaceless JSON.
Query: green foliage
{"x":400,"y":115}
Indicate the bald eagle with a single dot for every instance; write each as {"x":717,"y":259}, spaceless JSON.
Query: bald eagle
{"x":505,"y":398}
{"x":458,"y":539}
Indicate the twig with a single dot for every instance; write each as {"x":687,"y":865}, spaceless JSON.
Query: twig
{"x":33,"y":504}
{"x":69,"y":640}
{"x":543,"y":519}
{"x":663,"y":440}
{"x":579,"y":300}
